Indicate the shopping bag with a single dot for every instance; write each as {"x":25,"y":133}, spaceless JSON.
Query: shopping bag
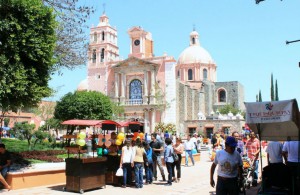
{"x":119,"y":172}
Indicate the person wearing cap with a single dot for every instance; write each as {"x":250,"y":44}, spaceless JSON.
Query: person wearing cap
{"x":230,"y":165}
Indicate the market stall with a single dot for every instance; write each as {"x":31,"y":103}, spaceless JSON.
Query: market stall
{"x":90,"y":170}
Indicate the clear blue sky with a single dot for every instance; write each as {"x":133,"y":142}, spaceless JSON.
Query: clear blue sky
{"x":246,"y":40}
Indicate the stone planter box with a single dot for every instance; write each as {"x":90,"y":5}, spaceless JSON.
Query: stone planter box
{"x":35,"y":178}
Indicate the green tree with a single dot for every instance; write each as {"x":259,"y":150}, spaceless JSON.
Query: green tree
{"x":45,"y":110}
{"x":24,"y":131}
{"x":71,"y":45}
{"x":160,"y":99}
{"x":272,"y":88}
{"x":276,"y":91}
{"x":6,"y":122}
{"x":40,"y":136}
{"x":228,"y":108}
{"x":259,"y":96}
{"x":84,"y":105}
{"x":27,"y":42}
{"x":51,"y":123}
{"x":117,"y":110}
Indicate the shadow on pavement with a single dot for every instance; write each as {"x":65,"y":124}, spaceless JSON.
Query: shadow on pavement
{"x":57,"y":188}
{"x":61,"y":188}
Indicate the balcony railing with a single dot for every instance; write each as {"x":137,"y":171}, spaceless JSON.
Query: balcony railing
{"x":133,"y":101}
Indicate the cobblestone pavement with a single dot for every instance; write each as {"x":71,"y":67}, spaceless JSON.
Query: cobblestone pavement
{"x":195,"y":180}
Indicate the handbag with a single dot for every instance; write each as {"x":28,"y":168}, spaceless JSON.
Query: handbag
{"x":119,"y":172}
{"x":175,"y":157}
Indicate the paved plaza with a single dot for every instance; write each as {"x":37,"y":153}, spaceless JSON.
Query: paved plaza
{"x":195,"y":180}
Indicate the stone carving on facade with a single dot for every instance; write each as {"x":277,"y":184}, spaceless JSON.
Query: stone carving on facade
{"x":201,"y":116}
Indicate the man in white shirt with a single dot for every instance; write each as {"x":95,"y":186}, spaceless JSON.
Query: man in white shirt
{"x":291,"y":156}
{"x":194,"y":139}
{"x":274,"y":152}
{"x":189,"y":145}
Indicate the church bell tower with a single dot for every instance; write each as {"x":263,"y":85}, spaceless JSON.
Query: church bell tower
{"x":141,"y":43}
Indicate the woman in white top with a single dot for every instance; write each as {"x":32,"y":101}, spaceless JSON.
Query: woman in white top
{"x":125,"y":163}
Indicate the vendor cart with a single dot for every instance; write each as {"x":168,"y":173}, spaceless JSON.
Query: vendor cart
{"x":85,"y":173}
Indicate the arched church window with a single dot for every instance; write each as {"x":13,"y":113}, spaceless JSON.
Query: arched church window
{"x":204,"y":74}
{"x":95,"y":37}
{"x":190,"y":74}
{"x":193,"y":40}
{"x":94,"y":56}
{"x":135,"y":92}
{"x":102,"y":54}
{"x":222,"y":95}
{"x":178,"y":73}
{"x":103,"y":38}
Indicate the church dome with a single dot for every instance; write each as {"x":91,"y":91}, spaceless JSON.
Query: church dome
{"x":194,"y":54}
{"x":83,"y":85}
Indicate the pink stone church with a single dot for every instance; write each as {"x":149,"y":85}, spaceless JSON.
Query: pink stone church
{"x":155,"y":89}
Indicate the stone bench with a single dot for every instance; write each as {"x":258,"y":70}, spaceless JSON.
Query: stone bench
{"x":196,"y":158}
{"x":34,"y":178}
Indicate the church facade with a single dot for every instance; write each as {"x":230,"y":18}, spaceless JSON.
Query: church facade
{"x":161,"y":89}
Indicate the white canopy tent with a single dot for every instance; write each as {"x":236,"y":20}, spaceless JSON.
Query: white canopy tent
{"x":274,"y":120}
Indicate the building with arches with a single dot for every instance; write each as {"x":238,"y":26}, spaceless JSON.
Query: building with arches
{"x":156,"y":89}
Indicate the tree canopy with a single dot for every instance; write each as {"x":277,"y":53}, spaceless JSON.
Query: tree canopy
{"x":27,"y":43}
{"x":228,"y":108}
{"x":71,"y":45}
{"x":84,"y":105}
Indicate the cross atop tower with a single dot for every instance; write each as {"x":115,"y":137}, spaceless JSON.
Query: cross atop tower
{"x":103,"y":7}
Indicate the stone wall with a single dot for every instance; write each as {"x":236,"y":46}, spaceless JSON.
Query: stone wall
{"x":191,"y":101}
{"x":234,"y":94}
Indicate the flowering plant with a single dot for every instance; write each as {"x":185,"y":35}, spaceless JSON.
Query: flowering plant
{"x":163,"y":127}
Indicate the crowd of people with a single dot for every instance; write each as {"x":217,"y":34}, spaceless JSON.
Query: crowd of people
{"x":145,"y":157}
{"x":283,"y":162}
{"x":142,"y":157}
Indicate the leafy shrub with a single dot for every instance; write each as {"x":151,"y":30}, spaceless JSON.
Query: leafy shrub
{"x":47,"y":155}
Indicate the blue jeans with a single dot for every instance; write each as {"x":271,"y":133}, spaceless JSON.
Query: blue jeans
{"x":4,"y":171}
{"x":149,"y":173}
{"x":138,"y":172}
{"x":188,"y":153}
{"x":170,"y":171}
{"x":127,"y":173}
{"x":255,"y":173}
